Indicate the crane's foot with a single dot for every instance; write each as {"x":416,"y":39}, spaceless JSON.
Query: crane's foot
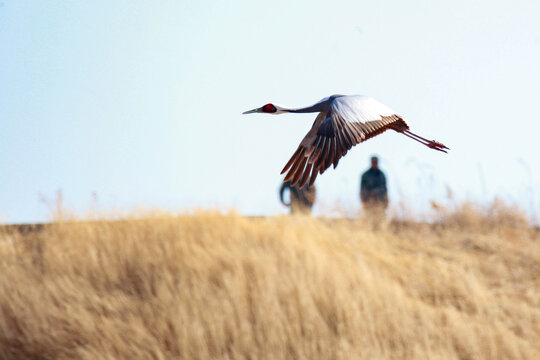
{"x":432,"y":144}
{"x":435,"y":145}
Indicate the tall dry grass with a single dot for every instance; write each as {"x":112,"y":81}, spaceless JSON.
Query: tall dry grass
{"x":212,"y":286}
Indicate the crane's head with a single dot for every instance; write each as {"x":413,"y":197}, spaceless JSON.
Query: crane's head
{"x":268,"y":108}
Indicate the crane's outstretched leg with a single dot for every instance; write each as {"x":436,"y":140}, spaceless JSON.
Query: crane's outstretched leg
{"x":435,"y":145}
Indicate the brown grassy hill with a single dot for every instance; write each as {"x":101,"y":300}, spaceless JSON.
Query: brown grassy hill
{"x":211,"y":286}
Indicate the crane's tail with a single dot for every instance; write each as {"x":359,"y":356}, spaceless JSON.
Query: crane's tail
{"x":435,"y":145}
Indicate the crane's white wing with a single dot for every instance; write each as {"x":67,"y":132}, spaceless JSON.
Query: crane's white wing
{"x":349,"y":121}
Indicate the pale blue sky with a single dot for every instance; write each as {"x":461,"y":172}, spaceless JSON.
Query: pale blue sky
{"x":141,"y":101}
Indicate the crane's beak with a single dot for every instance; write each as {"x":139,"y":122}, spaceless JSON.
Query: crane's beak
{"x":252,"y":111}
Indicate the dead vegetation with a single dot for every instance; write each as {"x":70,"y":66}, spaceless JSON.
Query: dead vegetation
{"x":213,"y":286}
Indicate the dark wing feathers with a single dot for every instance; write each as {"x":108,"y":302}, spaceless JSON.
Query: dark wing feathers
{"x":334,"y":137}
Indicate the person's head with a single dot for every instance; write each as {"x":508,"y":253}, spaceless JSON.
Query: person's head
{"x":374,"y":162}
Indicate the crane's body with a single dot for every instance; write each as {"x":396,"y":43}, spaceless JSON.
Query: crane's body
{"x":343,"y":121}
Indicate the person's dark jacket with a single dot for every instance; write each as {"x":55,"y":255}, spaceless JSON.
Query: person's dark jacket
{"x":373,"y":187}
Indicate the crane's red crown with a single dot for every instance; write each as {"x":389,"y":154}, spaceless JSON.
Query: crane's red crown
{"x":269,"y":108}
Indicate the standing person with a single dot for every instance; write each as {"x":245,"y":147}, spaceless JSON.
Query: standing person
{"x":373,"y":192}
{"x":301,"y":200}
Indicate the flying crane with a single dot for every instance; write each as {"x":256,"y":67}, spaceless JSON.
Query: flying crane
{"x":343,"y":121}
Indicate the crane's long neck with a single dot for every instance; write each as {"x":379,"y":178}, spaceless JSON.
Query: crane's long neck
{"x":318,"y":107}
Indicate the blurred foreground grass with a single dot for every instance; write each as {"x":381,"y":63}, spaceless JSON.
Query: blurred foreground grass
{"x":213,"y":286}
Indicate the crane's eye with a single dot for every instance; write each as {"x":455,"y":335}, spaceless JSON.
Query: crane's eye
{"x":269,"y":108}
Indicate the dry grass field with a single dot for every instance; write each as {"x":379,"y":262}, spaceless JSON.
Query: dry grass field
{"x":214,"y":286}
